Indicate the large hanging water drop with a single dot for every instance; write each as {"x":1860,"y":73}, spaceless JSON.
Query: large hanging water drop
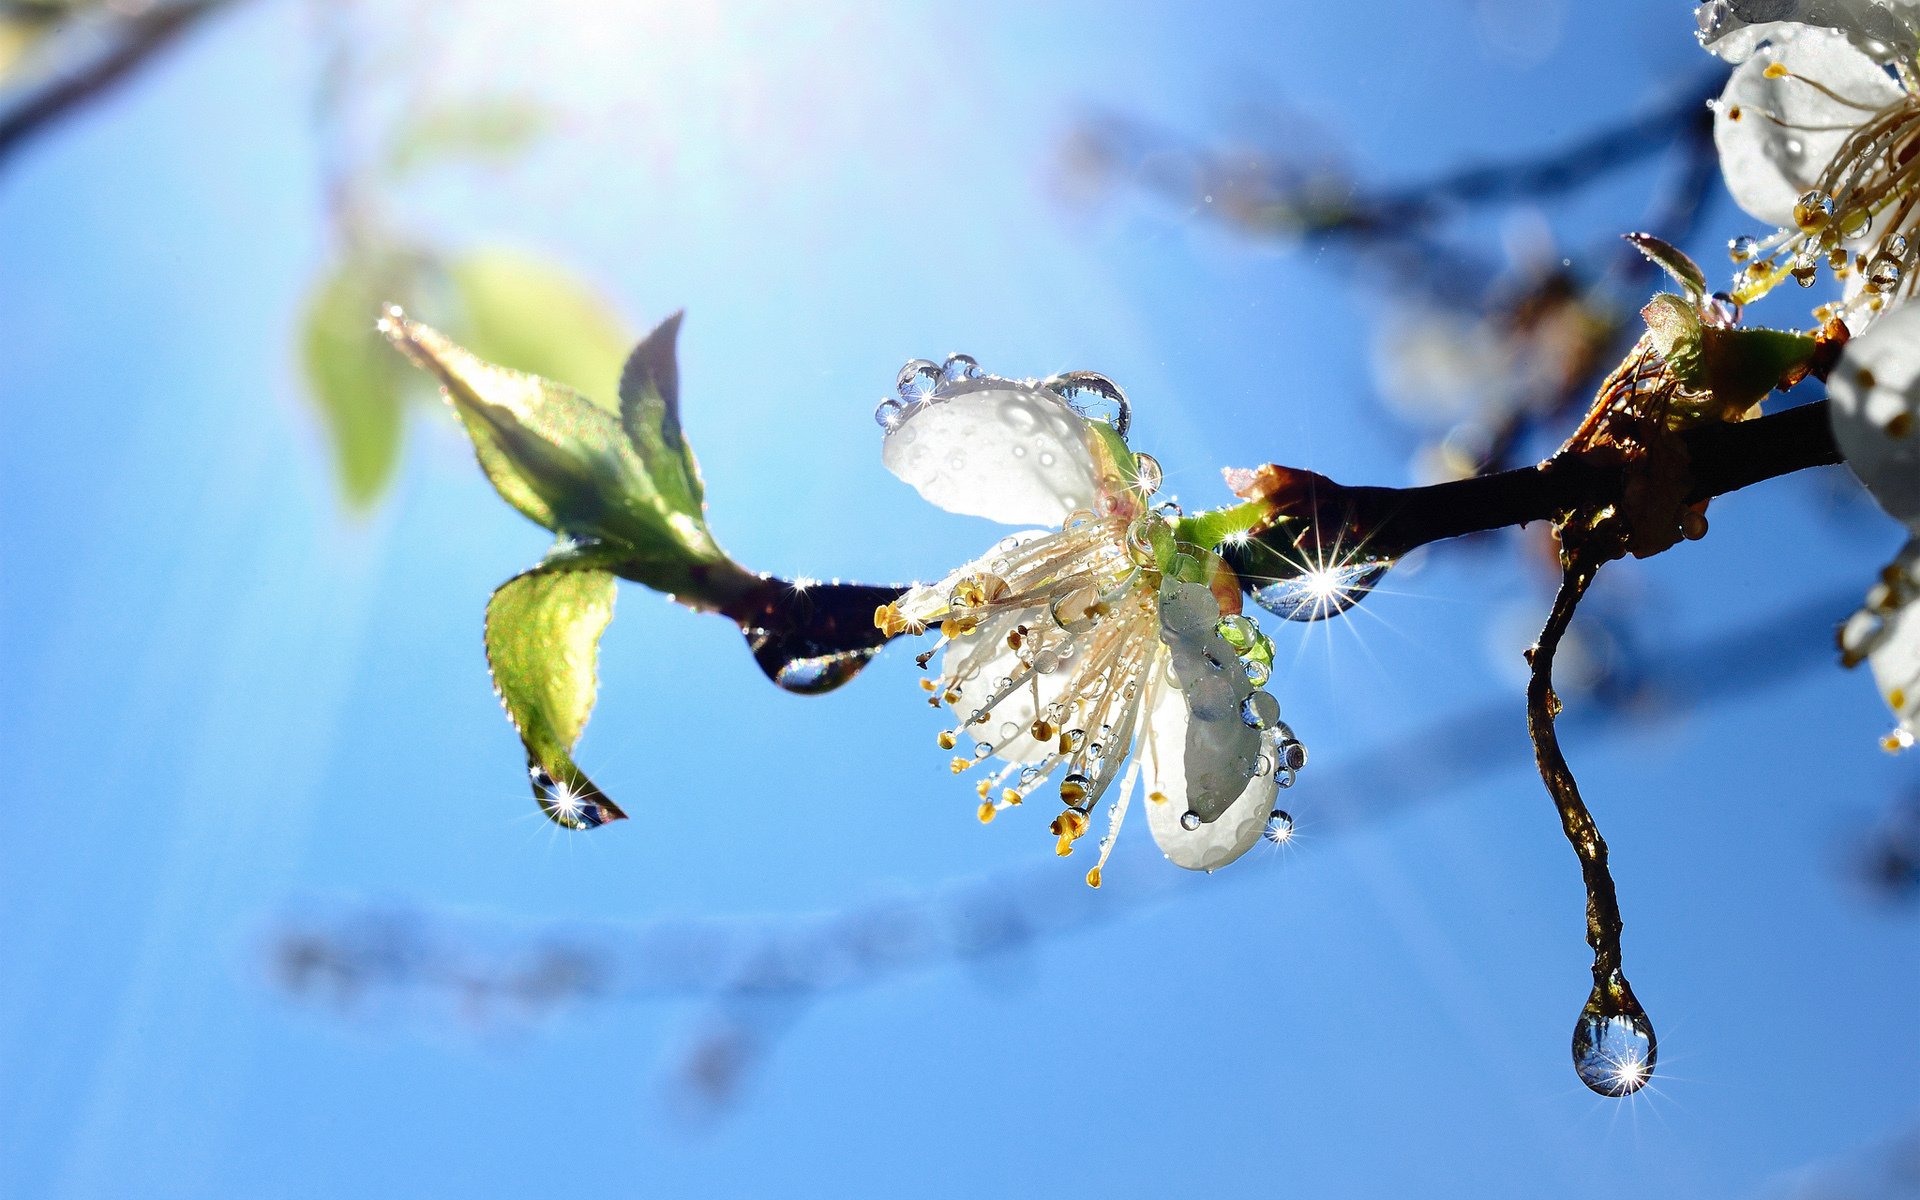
{"x":1613,"y":1046}
{"x":1094,"y":397}
{"x":1320,"y":592}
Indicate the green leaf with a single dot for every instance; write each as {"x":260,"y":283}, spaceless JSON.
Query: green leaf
{"x":543,"y":638}
{"x":650,"y":412}
{"x":566,"y":462}
{"x":1675,"y":326}
{"x":358,"y":385}
{"x":488,"y":129}
{"x":1683,"y":270}
{"x":1743,"y":365}
{"x":1209,"y":530}
{"x":535,"y":317}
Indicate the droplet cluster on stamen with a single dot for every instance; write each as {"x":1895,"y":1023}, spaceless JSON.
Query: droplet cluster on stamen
{"x":1052,"y":640}
{"x":1870,"y":186}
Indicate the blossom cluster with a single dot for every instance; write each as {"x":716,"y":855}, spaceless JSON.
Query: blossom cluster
{"x":1818,"y":132}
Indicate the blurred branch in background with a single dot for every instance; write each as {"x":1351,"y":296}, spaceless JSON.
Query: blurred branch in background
{"x":58,"y":56}
{"x":1496,"y":351}
{"x":757,"y":975}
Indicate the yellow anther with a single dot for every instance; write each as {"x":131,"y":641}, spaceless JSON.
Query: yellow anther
{"x":928,"y":685}
{"x":987,"y":810}
{"x":985,"y":788}
{"x":1093,"y":878}
{"x":1011,"y":798}
{"x":1776,"y":71}
{"x":960,"y":765}
{"x":888,"y":619}
{"x":1156,"y":797}
{"x":1072,"y":791}
{"x":950,"y":696}
{"x":1897,"y":698}
{"x":1042,"y":730}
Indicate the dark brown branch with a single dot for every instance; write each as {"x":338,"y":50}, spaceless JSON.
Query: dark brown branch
{"x":1391,"y":521}
{"x":135,"y":41}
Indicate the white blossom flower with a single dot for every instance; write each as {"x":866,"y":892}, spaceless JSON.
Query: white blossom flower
{"x":1874,"y":388}
{"x":1819,"y":133}
{"x":1096,"y":649}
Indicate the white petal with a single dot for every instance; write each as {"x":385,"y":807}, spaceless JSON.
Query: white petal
{"x":1895,"y":653}
{"x":974,"y":665}
{"x":1775,"y":136}
{"x":995,"y":448}
{"x":1221,"y":748}
{"x":1875,"y":409}
{"x":1733,"y":28}
{"x":1214,"y":844}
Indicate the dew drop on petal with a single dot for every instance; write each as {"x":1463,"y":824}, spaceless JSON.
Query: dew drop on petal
{"x":1260,"y":710}
{"x":917,"y":380}
{"x":1094,"y":397}
{"x":1279,"y":826}
{"x":889,"y":413}
{"x":1257,"y":672}
{"x":1189,"y":820}
{"x":958,"y":368}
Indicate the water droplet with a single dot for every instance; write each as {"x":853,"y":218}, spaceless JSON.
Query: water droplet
{"x":1238,"y":631}
{"x":1071,"y":605}
{"x":1723,"y":309}
{"x":1189,"y":820}
{"x":1883,"y":275}
{"x":1613,"y":1053}
{"x":1814,"y":208}
{"x":1260,"y":710}
{"x":1291,"y":752}
{"x":570,"y":805}
{"x":1094,"y":397}
{"x":958,"y":368}
{"x":1742,"y":248}
{"x":1019,"y":451}
{"x":889,"y":413}
{"x":917,"y":380}
{"x":1321,"y":592}
{"x":1279,"y":826}
{"x":1257,"y":672}
{"x":1046,"y":458}
{"x":820,"y":673}
{"x":1149,"y":474}
{"x":957,"y":461}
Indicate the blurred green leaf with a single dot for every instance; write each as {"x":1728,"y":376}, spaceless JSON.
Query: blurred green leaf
{"x":543,"y":639}
{"x":488,"y":129}
{"x":567,"y":463}
{"x":535,"y":317}
{"x":356,"y":381}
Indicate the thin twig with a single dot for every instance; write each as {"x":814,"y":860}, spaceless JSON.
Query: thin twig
{"x":133,"y":42}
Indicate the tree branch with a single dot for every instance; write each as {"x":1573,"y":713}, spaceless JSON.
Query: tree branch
{"x":130,"y":43}
{"x":1391,"y":521}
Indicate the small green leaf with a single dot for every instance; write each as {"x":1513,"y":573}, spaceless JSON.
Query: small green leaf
{"x":543,"y":637}
{"x":1743,"y":365}
{"x":1209,"y":530}
{"x":562,"y":460}
{"x":357,"y":383}
{"x":1668,"y":258}
{"x":650,"y":411}
{"x":532,"y":316}
{"x":488,"y":129}
{"x":1675,"y":326}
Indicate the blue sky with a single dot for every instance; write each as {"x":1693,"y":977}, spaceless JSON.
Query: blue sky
{"x":232,"y":703}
